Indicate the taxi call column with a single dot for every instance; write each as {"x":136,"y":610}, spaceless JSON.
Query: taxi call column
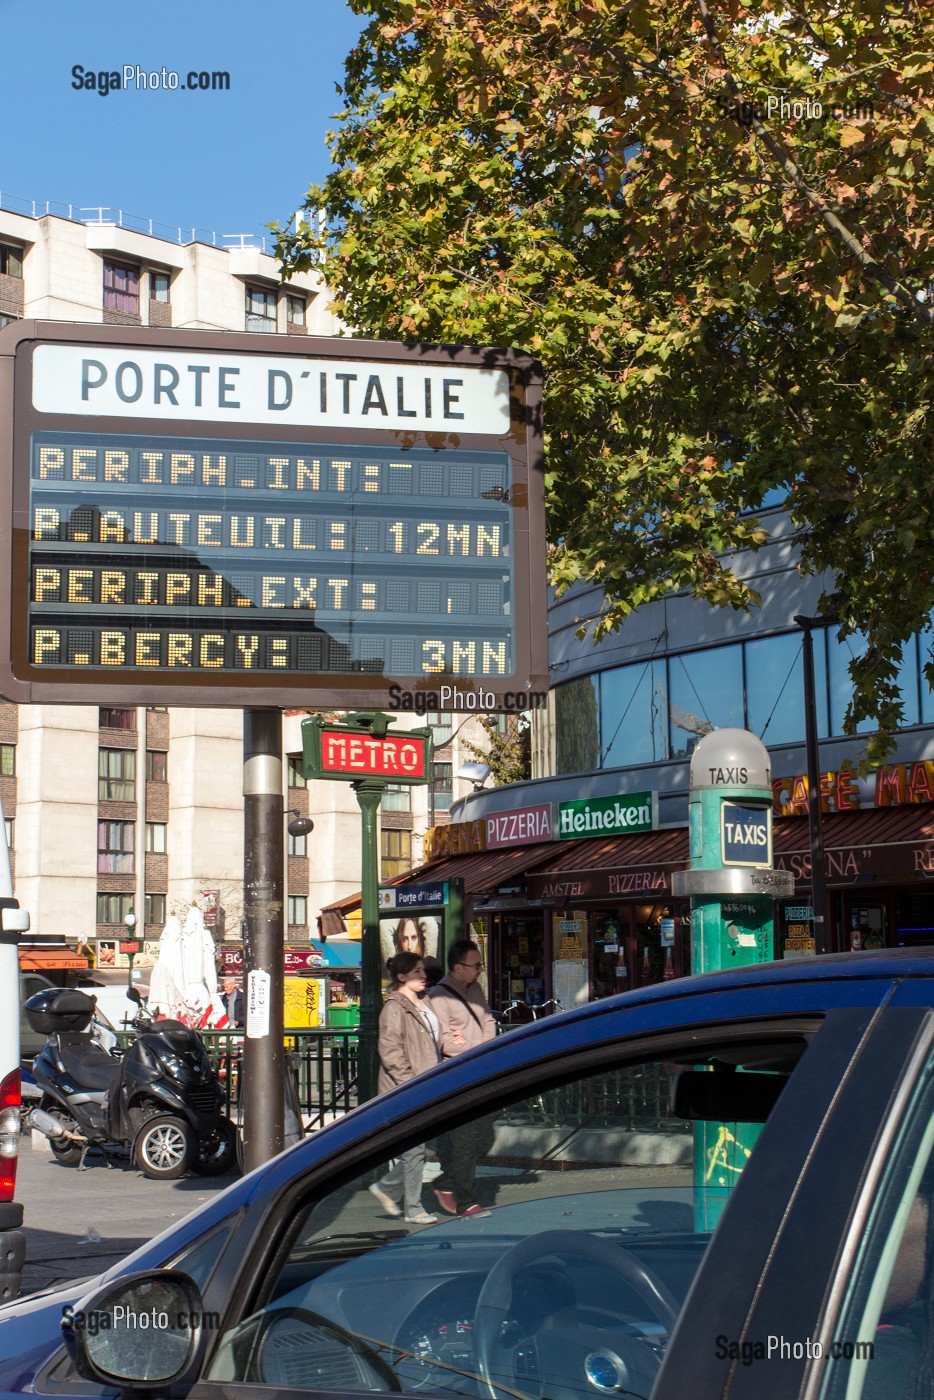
{"x":732,"y":888}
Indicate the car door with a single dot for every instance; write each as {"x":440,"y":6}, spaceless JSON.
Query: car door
{"x":845,"y":1307}
{"x":599,"y":1269}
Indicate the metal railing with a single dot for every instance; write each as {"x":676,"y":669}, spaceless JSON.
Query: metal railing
{"x":133,"y":223}
{"x":324,"y":1062}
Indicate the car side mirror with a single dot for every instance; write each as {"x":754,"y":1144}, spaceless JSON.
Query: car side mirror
{"x":140,"y":1334}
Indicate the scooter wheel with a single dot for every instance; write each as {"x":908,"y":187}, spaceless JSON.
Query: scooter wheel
{"x":65,"y":1151}
{"x":164,"y":1148}
{"x":217,"y":1151}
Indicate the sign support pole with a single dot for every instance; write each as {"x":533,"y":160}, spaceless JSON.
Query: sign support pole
{"x":263,"y":937}
{"x":369,"y":793}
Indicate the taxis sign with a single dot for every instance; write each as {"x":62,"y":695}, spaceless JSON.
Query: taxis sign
{"x":746,"y":834}
{"x":203,"y":517}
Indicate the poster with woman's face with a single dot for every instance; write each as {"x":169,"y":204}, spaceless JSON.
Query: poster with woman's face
{"x":410,"y":933}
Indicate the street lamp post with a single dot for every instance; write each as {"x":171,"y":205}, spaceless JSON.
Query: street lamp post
{"x":812,"y":749}
{"x":131,"y":947}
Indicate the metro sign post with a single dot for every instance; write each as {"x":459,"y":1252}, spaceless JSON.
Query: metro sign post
{"x":363,"y":752}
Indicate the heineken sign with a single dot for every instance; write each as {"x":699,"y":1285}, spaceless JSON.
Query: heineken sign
{"x":607,"y":816}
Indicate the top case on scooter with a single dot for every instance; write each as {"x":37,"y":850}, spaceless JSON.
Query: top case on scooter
{"x":55,"y":1011}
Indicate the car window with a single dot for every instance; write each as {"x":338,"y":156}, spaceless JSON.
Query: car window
{"x":593,"y":1203}
{"x":884,"y":1343}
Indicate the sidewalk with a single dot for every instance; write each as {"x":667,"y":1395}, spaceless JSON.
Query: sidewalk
{"x":79,"y":1223}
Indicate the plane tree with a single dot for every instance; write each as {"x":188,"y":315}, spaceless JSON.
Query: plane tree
{"x":712,"y":223}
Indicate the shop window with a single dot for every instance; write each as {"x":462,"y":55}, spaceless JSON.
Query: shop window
{"x":705,"y":693}
{"x":633,"y":715}
{"x":260,"y":309}
{"x":113,"y":908}
{"x":116,"y":775}
{"x":296,"y":773}
{"x":154,"y":909}
{"x":156,"y":766}
{"x":298,"y":910}
{"x":8,"y":760}
{"x":116,"y":719}
{"x":576,"y":727}
{"x":121,"y":288}
{"x":115,"y":848}
{"x":156,"y":837}
{"x":395,"y":852}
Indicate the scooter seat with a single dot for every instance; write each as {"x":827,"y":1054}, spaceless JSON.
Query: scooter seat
{"x":91,"y":1067}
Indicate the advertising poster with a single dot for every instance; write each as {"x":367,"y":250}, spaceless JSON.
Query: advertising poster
{"x":412,"y":932}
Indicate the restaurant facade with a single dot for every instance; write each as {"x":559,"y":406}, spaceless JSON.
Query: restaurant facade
{"x":568,"y":877}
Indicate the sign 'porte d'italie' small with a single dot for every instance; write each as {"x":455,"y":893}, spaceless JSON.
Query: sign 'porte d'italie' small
{"x":212,"y":518}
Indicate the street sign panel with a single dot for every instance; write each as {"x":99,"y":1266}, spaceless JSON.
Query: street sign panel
{"x":208,"y":518}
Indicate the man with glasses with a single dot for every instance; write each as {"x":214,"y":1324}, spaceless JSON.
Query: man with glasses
{"x":465,"y":1020}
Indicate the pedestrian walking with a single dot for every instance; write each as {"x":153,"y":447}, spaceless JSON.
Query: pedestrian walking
{"x":408,"y":1043}
{"x":465,"y":1020}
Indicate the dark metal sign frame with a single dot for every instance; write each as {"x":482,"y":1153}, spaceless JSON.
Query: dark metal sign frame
{"x":146,"y":666}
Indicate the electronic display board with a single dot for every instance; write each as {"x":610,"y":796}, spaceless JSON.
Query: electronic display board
{"x":203,"y":517}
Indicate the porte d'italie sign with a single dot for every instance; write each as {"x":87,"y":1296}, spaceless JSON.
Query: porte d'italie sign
{"x":204,"y":517}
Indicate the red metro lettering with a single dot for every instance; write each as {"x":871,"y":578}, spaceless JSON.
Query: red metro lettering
{"x":353,"y":753}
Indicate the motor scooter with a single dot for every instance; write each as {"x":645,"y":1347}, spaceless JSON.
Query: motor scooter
{"x":160,"y":1098}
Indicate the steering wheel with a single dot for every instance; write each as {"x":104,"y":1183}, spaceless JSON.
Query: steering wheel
{"x":284,"y":1344}
{"x":566,"y":1360}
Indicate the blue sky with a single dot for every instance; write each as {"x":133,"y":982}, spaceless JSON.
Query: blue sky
{"x":228,"y":161}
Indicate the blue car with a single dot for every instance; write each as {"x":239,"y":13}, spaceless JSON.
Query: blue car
{"x":721,"y":1186}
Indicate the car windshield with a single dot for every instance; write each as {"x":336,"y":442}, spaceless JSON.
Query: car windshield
{"x":595,"y":1200}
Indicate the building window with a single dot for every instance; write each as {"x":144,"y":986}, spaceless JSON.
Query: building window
{"x":6,"y":320}
{"x":296,"y":773}
{"x":298,"y":910}
{"x":116,"y":719}
{"x":116,"y":775}
{"x":295,"y":310}
{"x":155,"y":837}
{"x":442,"y":786}
{"x":121,"y":288}
{"x":156,"y":766}
{"x":260,"y":309}
{"x":7,"y":760}
{"x":159,"y":286}
{"x":298,"y":845}
{"x":113,"y":908}
{"x":8,"y":827}
{"x":115,"y":847}
{"x":397,"y":798}
{"x":11,"y":260}
{"x":440,"y":725}
{"x":395,"y":852}
{"x":154,"y":909}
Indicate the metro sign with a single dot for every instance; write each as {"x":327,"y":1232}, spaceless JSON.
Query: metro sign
{"x":354,"y":751}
